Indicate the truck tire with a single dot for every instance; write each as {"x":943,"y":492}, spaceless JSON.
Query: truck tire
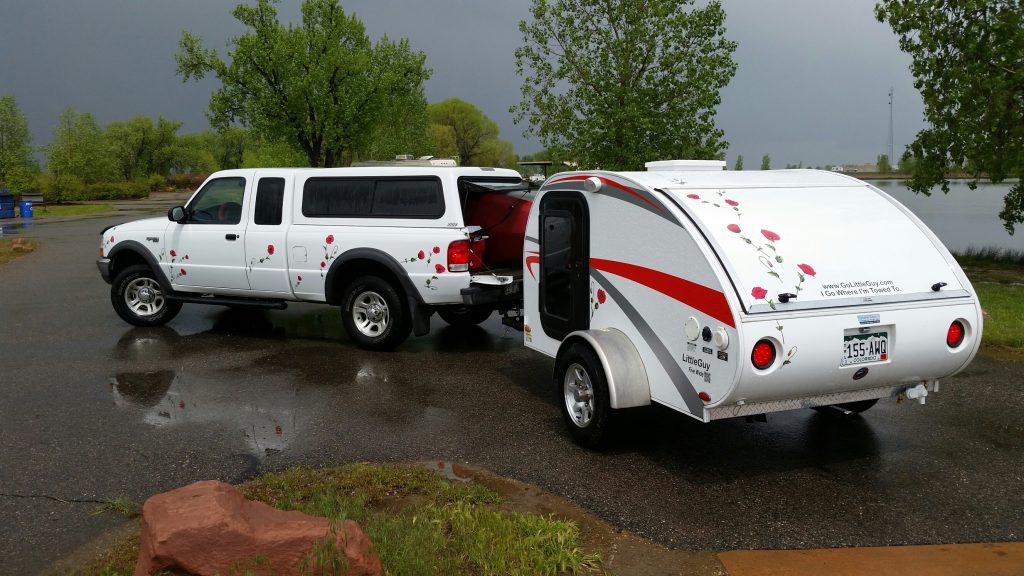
{"x":464,"y":316}
{"x":374,"y":314}
{"x":583,"y":391}
{"x":138,"y":298}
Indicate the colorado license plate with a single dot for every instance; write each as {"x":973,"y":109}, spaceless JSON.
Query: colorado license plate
{"x":865,"y":348}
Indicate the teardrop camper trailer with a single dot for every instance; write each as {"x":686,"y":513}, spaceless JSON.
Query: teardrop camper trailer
{"x":722,"y":293}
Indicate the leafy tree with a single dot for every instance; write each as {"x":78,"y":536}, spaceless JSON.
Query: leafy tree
{"x":404,"y":129}
{"x":617,"y":83}
{"x":442,"y":141}
{"x":140,"y":147}
{"x":739,"y":163}
{"x":766,"y":162}
{"x":968,"y":63}
{"x":270,"y":153}
{"x":883,"y":164}
{"x":497,"y":152}
{"x":17,"y":168}
{"x":322,"y":86}
{"x":471,"y":127}
{"x":80,"y":150}
{"x":193,"y":153}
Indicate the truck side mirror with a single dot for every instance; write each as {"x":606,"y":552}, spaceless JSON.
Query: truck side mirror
{"x":176,"y":214}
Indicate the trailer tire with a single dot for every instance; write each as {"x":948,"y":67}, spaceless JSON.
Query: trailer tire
{"x":464,"y":316}
{"x":858,"y":406}
{"x":374,"y":314}
{"x":583,"y":391}
{"x":138,"y":298}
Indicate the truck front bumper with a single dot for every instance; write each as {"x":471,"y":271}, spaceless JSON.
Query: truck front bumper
{"x":104,"y":265}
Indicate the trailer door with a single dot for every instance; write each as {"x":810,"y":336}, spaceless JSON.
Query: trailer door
{"x":564,"y":264}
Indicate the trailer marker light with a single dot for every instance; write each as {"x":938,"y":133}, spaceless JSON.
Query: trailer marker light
{"x":955,"y":334}
{"x":704,"y":396}
{"x":763,"y":354}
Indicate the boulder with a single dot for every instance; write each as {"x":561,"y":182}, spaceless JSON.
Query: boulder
{"x":210,"y":528}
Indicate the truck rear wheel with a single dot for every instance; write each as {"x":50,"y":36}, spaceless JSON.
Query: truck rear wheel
{"x":464,"y":316}
{"x":374,"y":314}
{"x":583,"y":389}
{"x":138,"y":298}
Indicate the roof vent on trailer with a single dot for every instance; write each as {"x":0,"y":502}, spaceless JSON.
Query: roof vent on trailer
{"x":685,"y":165}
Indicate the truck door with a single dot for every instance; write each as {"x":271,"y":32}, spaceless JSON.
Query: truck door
{"x":265,"y":251}
{"x":564,"y":264}
{"x":207,"y":250}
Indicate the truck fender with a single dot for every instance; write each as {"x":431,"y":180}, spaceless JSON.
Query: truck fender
{"x":142,"y":252}
{"x":420,"y":312}
{"x":628,"y":386}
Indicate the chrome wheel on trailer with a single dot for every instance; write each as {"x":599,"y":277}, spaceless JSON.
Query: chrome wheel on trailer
{"x":583,"y":386}
{"x":370,"y":314}
{"x":579,"y":395}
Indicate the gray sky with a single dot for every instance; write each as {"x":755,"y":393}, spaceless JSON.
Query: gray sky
{"x":812,"y":84}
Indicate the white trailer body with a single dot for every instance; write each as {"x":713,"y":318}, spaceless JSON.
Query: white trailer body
{"x":722,"y":293}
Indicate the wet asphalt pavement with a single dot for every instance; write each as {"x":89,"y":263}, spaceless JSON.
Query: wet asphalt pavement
{"x":93,"y":409}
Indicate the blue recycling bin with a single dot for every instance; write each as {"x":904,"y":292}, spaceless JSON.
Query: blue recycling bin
{"x":25,"y":207}
{"x":6,"y":204}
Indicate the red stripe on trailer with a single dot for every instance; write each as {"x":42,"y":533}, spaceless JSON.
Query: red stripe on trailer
{"x":532,"y":259}
{"x":709,"y":301}
{"x":614,"y":184}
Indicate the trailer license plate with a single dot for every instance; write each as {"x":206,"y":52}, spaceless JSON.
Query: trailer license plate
{"x":865,"y":348}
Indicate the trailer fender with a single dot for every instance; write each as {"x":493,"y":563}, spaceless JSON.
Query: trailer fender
{"x":628,"y":386}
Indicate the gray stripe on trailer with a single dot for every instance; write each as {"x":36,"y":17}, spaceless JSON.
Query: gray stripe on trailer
{"x":679,"y":378}
{"x":531,"y":239}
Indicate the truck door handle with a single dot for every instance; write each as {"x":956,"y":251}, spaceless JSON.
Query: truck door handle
{"x":231,"y":236}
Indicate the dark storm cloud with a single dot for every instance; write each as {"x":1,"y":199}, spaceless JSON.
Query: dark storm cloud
{"x":812,"y":82}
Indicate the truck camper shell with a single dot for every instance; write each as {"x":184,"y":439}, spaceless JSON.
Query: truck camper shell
{"x":722,"y":293}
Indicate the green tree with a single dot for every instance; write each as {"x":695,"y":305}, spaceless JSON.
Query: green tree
{"x":968,"y":63}
{"x":497,"y":152}
{"x":766,"y":162}
{"x":739,"y":163}
{"x":322,"y":85}
{"x":883,"y":164}
{"x":442,"y":141}
{"x":272,"y":153}
{"x":17,"y":168}
{"x":470,"y":125}
{"x":80,"y":149}
{"x":141,"y":148}
{"x":617,"y":83}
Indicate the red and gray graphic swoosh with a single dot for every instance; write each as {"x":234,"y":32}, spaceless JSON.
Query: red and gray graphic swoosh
{"x":612,"y":188}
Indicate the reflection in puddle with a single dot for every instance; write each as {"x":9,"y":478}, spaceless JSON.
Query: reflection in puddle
{"x":173,"y":399}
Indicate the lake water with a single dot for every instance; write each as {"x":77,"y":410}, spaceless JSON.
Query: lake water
{"x":962,"y":218}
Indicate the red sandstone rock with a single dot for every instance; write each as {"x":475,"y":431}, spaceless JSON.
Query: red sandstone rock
{"x":210,"y":528}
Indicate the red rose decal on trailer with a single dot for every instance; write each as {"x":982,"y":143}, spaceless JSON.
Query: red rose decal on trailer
{"x":806,"y":269}
{"x":771,"y":236}
{"x":758,"y":293}
{"x":734,"y":228}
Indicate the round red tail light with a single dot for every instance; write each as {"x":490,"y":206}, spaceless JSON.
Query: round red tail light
{"x":955,"y":334}
{"x":763,"y":354}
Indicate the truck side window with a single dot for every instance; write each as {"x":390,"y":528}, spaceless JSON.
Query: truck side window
{"x":337,"y":197}
{"x":219,"y":202}
{"x":408,"y":198}
{"x":269,"y":201}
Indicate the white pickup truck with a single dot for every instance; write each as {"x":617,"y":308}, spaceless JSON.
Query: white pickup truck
{"x":389,"y":245}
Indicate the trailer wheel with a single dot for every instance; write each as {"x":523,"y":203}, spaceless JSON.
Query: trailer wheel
{"x":858,"y":406}
{"x":464,"y":316}
{"x":374,"y":314}
{"x":584,"y":393}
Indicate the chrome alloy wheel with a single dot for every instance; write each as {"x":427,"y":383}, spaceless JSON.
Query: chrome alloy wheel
{"x":370,"y":314}
{"x":144,"y":297}
{"x":579,"y":395}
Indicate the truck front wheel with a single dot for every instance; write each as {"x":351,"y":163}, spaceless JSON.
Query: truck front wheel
{"x":374,"y":314}
{"x":583,"y":389}
{"x":138,"y":298}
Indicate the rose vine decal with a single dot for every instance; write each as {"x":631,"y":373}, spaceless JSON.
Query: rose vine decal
{"x":298,"y":280}
{"x":106,"y":243}
{"x":597,"y":299}
{"x":171,"y":265}
{"x":270,"y":252}
{"x":423,"y":254}
{"x":330,"y":253}
{"x":438,"y":269}
{"x":729,"y":203}
{"x":792,"y":351}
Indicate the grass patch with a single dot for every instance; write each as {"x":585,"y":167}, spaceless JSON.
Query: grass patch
{"x":61,"y":210}
{"x":1004,"y":306}
{"x":418,"y":522}
{"x":16,"y":247}
{"x":121,"y":505}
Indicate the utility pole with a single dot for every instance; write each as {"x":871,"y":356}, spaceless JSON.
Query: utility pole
{"x":891,"y":157}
